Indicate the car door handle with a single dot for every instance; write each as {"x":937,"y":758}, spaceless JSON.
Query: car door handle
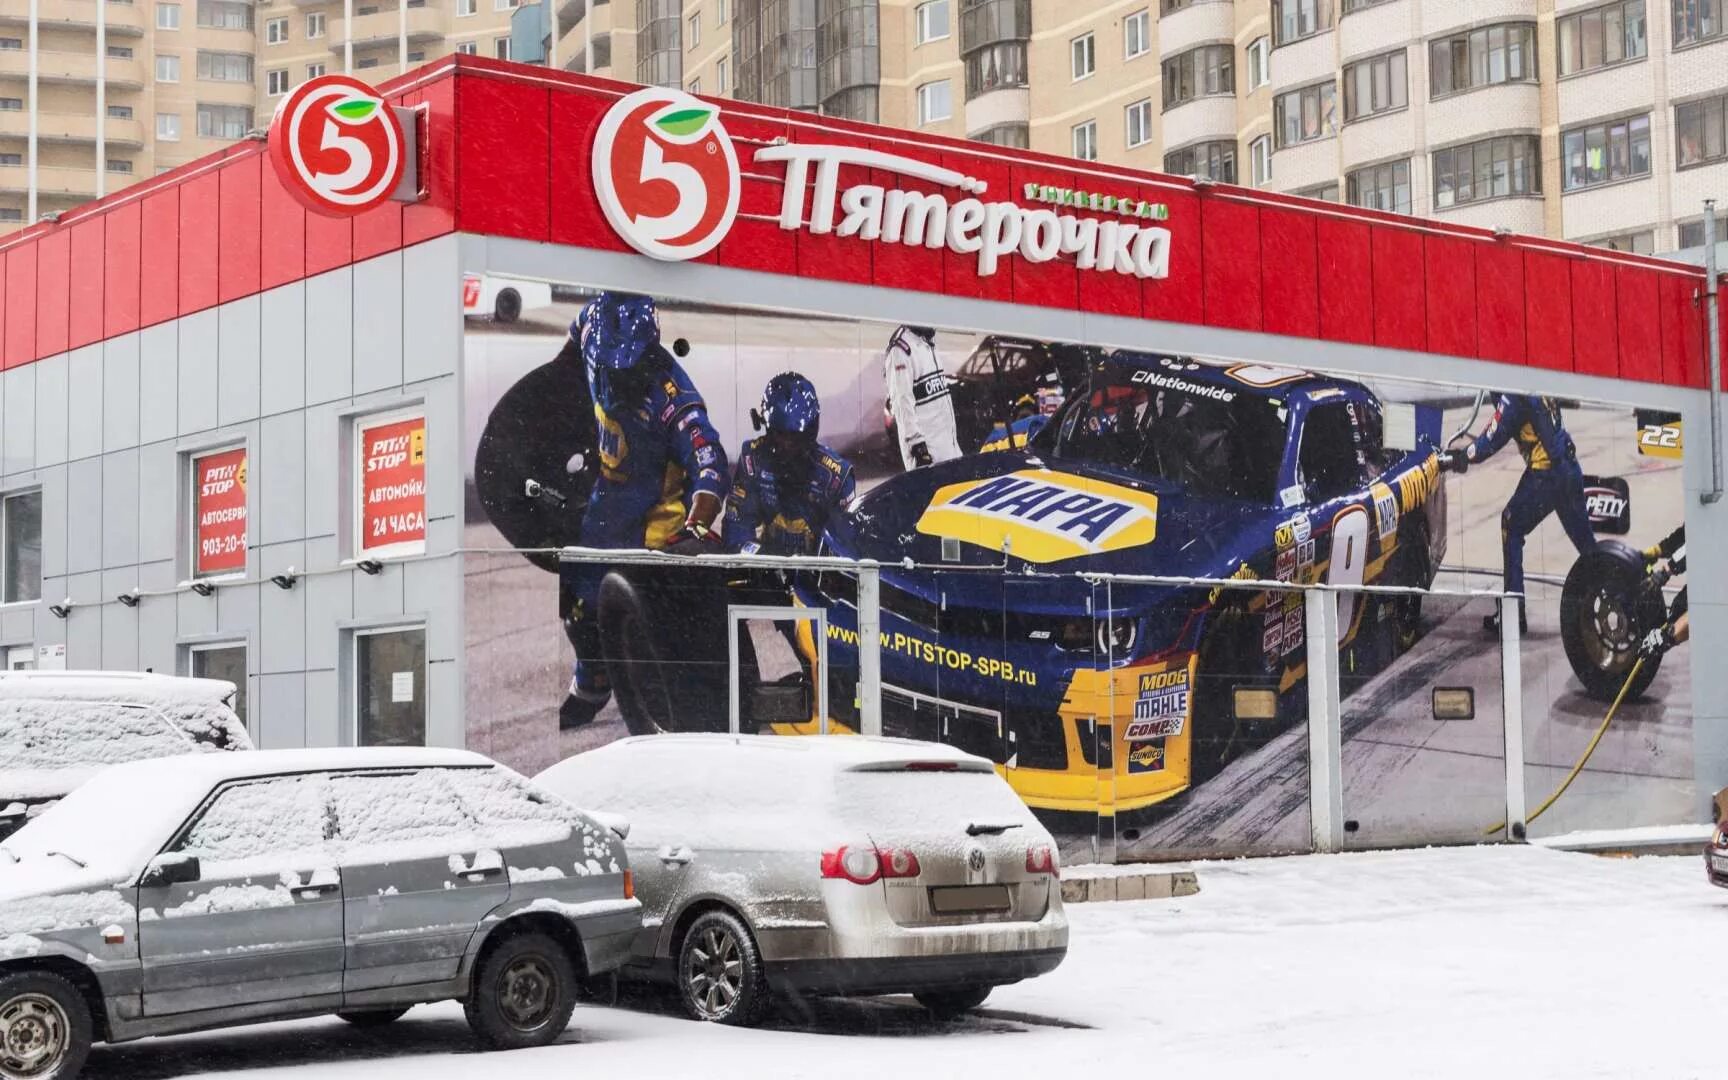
{"x":479,"y":873}
{"x":313,"y":883}
{"x":676,"y":856}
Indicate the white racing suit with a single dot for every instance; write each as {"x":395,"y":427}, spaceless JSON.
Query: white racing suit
{"x":919,"y":398}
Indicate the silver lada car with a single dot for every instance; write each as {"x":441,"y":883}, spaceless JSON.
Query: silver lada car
{"x":824,"y":866}
{"x":205,"y":890}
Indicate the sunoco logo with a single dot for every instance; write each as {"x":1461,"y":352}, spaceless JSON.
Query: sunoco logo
{"x":337,"y":146}
{"x":1042,"y":516}
{"x":666,"y":174}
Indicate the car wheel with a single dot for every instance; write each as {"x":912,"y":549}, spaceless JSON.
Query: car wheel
{"x":371,"y":1018}
{"x":952,"y":1004}
{"x":45,"y":1027}
{"x":1230,"y":657}
{"x":657,"y":655}
{"x":1606,"y":609}
{"x":1411,"y":567}
{"x":720,"y":977}
{"x":508,"y":307}
{"x":523,"y":994}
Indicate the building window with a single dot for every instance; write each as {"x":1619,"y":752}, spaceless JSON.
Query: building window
{"x":9,"y":158}
{"x":1260,"y":160}
{"x":314,"y":71}
{"x":720,"y":75}
{"x":1692,"y":232}
{"x":468,"y":48}
{"x":1351,"y":6}
{"x":695,"y":33}
{"x":120,"y":112}
{"x":390,"y":686}
{"x":1305,"y":115}
{"x":120,"y":52}
{"x":1698,"y":132}
{"x":1083,"y":140}
{"x":168,"y":126}
{"x":1323,"y":192}
{"x":315,"y":24}
{"x":1259,"y":63}
{"x":276,"y":82}
{"x":720,"y":14}
{"x":1136,"y":35}
{"x":1606,"y":152}
{"x":1137,"y":119}
{"x":501,"y":48}
{"x":225,"y":14}
{"x":1204,"y":161}
{"x":224,"y":121}
{"x":1602,"y":37}
{"x":1381,"y":187}
{"x":1165,"y":7}
{"x":1082,"y":56}
{"x":219,"y":509}
{"x":1488,"y":169}
{"x":995,"y":67}
{"x":11,"y":104}
{"x":505,"y":5}
{"x":167,"y":16}
{"x":225,"y":66}
{"x":11,"y":213}
{"x":1375,"y":85}
{"x":276,"y":31}
{"x":1633,"y":243}
{"x":467,"y":7}
{"x":21,"y":524}
{"x":168,"y":69}
{"x":11,"y":44}
{"x":1697,"y":20}
{"x":935,"y":102}
{"x":225,"y":661}
{"x":1015,"y":135}
{"x":1482,"y":57}
{"x":367,"y":62}
{"x":417,"y":57}
{"x":1200,"y":72}
{"x":695,"y":85}
{"x":931,"y":21}
{"x":1293,"y":20}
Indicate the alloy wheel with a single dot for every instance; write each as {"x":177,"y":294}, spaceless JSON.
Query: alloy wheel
{"x":714,"y":972}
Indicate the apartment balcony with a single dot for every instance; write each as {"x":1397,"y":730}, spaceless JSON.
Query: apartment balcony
{"x":1442,"y":16}
{"x":71,"y":128}
{"x":125,"y":20}
{"x":995,"y":108}
{"x":56,"y":181}
{"x":1375,"y":29}
{"x":1202,"y":119}
{"x":63,"y":67}
{"x":1487,"y":110}
{"x":425,"y":24}
{"x":1200,"y":23}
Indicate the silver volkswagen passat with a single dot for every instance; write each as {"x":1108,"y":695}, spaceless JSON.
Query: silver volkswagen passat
{"x":205,"y":890}
{"x":824,"y":866}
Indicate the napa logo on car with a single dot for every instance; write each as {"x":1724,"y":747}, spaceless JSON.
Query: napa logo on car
{"x":1161,"y":708}
{"x":666,"y":173}
{"x":1042,"y":516}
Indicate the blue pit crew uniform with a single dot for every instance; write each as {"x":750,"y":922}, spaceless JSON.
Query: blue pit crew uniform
{"x":781,"y":507}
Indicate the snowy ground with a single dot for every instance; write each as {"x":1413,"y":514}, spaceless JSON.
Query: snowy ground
{"x":1480,"y":962}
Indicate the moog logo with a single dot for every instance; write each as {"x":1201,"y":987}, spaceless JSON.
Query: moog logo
{"x":337,"y":146}
{"x":1043,"y":516}
{"x":666,"y":174}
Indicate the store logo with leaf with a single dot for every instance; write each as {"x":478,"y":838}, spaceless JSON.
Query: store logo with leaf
{"x":666,"y":173}
{"x":337,"y":146}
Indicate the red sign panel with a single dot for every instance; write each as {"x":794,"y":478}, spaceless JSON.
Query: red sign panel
{"x":393,"y":486}
{"x":219,"y":509}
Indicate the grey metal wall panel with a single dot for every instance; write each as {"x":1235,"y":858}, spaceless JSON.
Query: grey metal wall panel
{"x":159,"y":382}
{"x":84,"y":515}
{"x":237,"y":361}
{"x":280,"y":466}
{"x":84,"y":624}
{"x":445,"y":444}
{"x":84,"y":391}
{"x":329,"y":336}
{"x":52,"y":377}
{"x":282,"y":612}
{"x":329,"y":601}
{"x":18,"y":438}
{"x":444,"y":705}
{"x":158,"y":617}
{"x":237,"y":615}
{"x":120,"y":519}
{"x":198,"y":372}
{"x":323,"y":710}
{"x":197,"y":615}
{"x":379,"y":596}
{"x":282,"y":360}
{"x":322,"y":553}
{"x":18,"y":624}
{"x":435,"y":587}
{"x":324,"y":427}
{"x":120,"y":415}
{"x":378,"y":323}
{"x":159,"y":466}
{"x":119,"y":622}
{"x":53,"y":482}
{"x":432,"y":316}
{"x":279,"y":711}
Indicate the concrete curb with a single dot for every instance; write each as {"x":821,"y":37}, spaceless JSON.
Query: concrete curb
{"x":1095,"y":884}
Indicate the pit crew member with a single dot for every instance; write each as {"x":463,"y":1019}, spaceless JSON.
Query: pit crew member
{"x":1668,"y":559}
{"x":919,"y":398}
{"x":785,"y":485}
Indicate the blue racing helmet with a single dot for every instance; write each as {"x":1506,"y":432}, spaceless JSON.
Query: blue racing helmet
{"x":616,"y":329}
{"x":790,"y":405}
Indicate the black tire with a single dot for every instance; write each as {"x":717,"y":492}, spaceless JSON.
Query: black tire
{"x":656,"y":653}
{"x":720,"y":976}
{"x":45,"y":1027}
{"x":372,"y":1018}
{"x":508,"y":307}
{"x":1606,"y":608}
{"x":953,"y":1004}
{"x":523,"y":993}
{"x":1412,"y":567}
{"x":1230,"y":656}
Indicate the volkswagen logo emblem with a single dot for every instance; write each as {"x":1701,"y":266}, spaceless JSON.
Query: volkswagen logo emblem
{"x":975,"y":860}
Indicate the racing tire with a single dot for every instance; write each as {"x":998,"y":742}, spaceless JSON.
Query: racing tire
{"x":523,"y":993}
{"x":721,"y":979}
{"x":1411,"y":566}
{"x":653,"y":641}
{"x":45,"y":1026}
{"x":372,"y":1018}
{"x":508,"y":307}
{"x":1230,"y":656}
{"x":948,"y":1005}
{"x":1606,"y":608}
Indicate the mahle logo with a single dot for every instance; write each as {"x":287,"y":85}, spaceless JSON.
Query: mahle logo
{"x":666,"y":174}
{"x":337,"y":146}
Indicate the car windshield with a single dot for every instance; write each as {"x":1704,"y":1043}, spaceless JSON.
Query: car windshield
{"x":1212,"y":440}
{"x":53,"y":733}
{"x":118,"y":819}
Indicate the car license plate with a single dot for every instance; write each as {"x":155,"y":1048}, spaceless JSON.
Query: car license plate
{"x":1719,"y":863}
{"x":956,"y":899}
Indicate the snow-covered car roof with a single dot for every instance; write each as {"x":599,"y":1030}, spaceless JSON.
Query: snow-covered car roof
{"x":114,"y":685}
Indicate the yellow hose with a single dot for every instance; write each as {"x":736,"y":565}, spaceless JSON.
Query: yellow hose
{"x":1595,"y":740}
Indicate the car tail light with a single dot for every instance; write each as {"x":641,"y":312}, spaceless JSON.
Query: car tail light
{"x":629,"y":884}
{"x":1040,"y":859}
{"x":859,"y":865}
{"x":898,"y":863}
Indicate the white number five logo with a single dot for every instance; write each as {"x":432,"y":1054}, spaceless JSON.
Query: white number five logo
{"x":359,"y":158}
{"x":692,"y":195}
{"x":1349,"y":559}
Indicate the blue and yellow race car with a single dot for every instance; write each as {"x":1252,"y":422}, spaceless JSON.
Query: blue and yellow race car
{"x":1108,"y":696}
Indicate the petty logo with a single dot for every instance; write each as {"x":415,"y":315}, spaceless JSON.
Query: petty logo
{"x":337,"y":146}
{"x":666,"y":174}
{"x":1043,"y":516}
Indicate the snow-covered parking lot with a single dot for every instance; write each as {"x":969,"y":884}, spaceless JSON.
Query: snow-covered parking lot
{"x":1485,"y":962}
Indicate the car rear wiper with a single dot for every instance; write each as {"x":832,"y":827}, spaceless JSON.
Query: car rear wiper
{"x":985,"y":828}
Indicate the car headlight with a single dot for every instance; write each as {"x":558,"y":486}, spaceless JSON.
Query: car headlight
{"x":1115,"y":637}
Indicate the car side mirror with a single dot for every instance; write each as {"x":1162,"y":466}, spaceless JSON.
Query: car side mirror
{"x":170,"y":868}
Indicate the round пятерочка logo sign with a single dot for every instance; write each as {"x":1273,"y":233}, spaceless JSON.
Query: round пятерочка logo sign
{"x":337,"y":146}
{"x":666,"y":173}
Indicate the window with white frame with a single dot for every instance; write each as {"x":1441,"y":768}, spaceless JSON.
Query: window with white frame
{"x":389,"y":686}
{"x":168,"y":127}
{"x":1137,"y":119}
{"x":167,"y":68}
{"x":468,"y":48}
{"x":1259,"y":63}
{"x":276,"y":31}
{"x":167,"y":16}
{"x":693,"y":37}
{"x":1083,"y":140}
{"x":467,"y":7}
{"x":313,"y":71}
{"x":720,"y":7}
{"x":696,"y":85}
{"x":932,"y":21}
{"x":276,"y":82}
{"x":1082,"y":56}
{"x":935,"y":101}
{"x":501,"y":48}
{"x":505,"y":5}
{"x":315,"y":24}
{"x":720,"y":75}
{"x":1260,"y":160}
{"x":1137,"y":34}
{"x":21,"y":526}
